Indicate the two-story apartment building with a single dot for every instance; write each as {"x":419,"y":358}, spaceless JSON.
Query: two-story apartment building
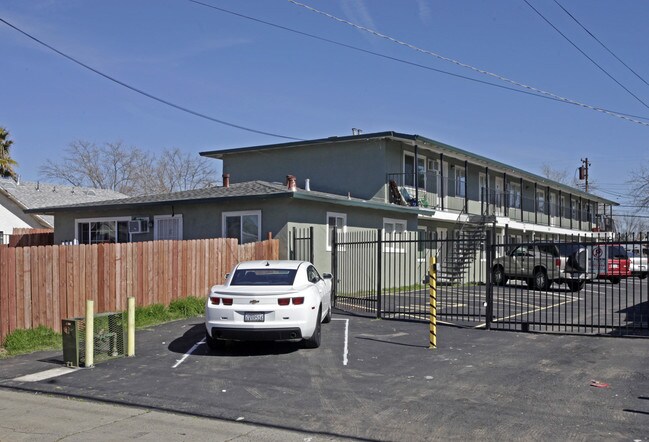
{"x":388,"y":180}
{"x":447,"y":185}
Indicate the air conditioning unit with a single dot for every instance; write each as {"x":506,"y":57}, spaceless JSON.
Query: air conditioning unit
{"x":138,"y":226}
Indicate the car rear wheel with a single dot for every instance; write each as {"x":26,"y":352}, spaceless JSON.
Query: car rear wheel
{"x":575,"y":286}
{"x":212,"y":343}
{"x":327,"y":318}
{"x":314,"y":340}
{"x":642,"y":275}
{"x":498,"y":276}
{"x":540,"y":280}
{"x":615,"y":279}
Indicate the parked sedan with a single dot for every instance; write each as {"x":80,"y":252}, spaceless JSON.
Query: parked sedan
{"x":269,"y":301}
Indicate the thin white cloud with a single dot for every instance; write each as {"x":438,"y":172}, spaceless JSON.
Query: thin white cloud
{"x":425,"y":10}
{"x":356,"y":11}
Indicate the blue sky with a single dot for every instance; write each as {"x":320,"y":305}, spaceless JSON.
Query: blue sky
{"x":271,"y":80}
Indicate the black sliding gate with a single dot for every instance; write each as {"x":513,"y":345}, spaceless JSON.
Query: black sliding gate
{"x":386,"y":276}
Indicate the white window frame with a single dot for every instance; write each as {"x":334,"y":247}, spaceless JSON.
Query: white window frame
{"x":540,"y":201}
{"x":241,"y":213}
{"x":336,"y":215}
{"x":116,"y":219}
{"x":395,"y":222}
{"x":482,"y":184}
{"x":418,"y":171}
{"x":514,"y":195}
{"x":460,"y":181}
{"x":156,"y":218}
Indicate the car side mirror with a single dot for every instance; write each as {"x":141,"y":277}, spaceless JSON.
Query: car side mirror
{"x":327,"y":275}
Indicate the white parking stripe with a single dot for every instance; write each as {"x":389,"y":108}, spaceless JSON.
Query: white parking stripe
{"x":345,"y":349}
{"x":47,"y":374}
{"x":186,"y":355}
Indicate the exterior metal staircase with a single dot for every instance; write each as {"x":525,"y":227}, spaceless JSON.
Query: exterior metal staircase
{"x":462,"y":251}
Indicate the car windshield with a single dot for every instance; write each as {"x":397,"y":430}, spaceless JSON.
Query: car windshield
{"x":263,"y":277}
{"x":617,"y":252}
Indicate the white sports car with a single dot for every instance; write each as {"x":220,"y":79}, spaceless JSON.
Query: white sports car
{"x":269,"y":301}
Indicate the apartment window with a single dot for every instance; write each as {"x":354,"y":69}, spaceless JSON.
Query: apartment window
{"x":168,"y":227}
{"x":540,"y":201}
{"x":515,"y":195}
{"x":460,"y":182}
{"x":245,"y":226}
{"x":573,"y":209}
{"x":337,"y":220}
{"x":409,"y":170}
{"x":393,"y":230}
{"x":102,"y":230}
{"x":482,"y":183}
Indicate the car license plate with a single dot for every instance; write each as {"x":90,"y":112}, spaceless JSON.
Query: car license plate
{"x":253,"y":317}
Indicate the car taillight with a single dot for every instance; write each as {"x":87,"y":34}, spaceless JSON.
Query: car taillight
{"x":287,"y":301}
{"x":216,"y":300}
{"x":557,"y":262}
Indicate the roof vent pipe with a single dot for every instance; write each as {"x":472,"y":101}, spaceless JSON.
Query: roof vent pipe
{"x":291,"y":183}
{"x":226,"y":180}
{"x":307,"y":185}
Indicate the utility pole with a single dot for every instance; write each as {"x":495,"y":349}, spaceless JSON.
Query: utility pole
{"x":583,"y":171}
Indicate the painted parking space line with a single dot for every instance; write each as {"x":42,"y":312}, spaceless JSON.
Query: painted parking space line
{"x":346,"y":345}
{"x":202,"y":341}
{"x":186,"y":355}
{"x":47,"y":374}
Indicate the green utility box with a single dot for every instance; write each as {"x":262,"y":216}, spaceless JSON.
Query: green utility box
{"x":109,"y":339}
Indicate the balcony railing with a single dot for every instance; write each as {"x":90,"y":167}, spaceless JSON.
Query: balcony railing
{"x":532,"y":210}
{"x":411,"y":189}
{"x":429,"y":190}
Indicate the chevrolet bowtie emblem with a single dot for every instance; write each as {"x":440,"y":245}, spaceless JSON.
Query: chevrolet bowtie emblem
{"x":254,"y":301}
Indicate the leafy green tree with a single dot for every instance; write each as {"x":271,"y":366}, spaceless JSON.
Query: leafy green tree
{"x":6,"y":162}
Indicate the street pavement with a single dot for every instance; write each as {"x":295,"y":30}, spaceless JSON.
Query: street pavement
{"x":370,"y":380}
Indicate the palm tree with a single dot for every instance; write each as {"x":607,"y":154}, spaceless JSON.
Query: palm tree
{"x":6,"y":162}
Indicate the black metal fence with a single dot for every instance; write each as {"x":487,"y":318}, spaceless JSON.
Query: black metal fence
{"x":573,"y":285}
{"x":386,"y":275}
{"x":301,"y":244}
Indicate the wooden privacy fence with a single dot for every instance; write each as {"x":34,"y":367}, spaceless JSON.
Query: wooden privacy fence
{"x":42,"y":285}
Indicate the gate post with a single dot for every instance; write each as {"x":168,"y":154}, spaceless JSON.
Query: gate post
{"x":379,"y":271}
{"x":293,"y":254}
{"x":311,"y":257}
{"x":334,"y":264}
{"x":490,"y":288}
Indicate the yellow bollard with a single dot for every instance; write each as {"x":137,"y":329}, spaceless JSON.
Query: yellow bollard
{"x":90,"y":334}
{"x":432,"y":274}
{"x":131,"y":327}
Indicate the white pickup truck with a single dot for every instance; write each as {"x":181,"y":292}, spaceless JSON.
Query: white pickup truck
{"x":638,"y":260}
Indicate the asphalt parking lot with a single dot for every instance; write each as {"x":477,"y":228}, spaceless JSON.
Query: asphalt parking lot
{"x":377,"y":380}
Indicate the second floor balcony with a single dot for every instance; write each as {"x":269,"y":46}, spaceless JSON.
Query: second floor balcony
{"x":431,"y":190}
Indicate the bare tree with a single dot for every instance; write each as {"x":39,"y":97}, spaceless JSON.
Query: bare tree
{"x":639,"y":183}
{"x":560,"y":176}
{"x":632,"y":225}
{"x":563,"y":177}
{"x":129,"y":170}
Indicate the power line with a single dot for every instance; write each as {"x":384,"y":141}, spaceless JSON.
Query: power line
{"x":586,"y":55}
{"x":141,"y":92}
{"x":467,"y":66}
{"x":602,"y":44}
{"x":399,"y":60}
